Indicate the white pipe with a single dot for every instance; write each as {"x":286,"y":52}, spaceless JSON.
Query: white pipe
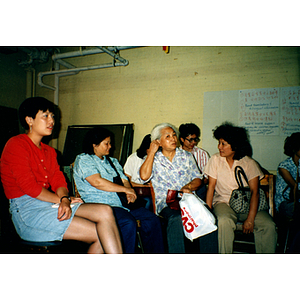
{"x":65,"y":64}
{"x":33,"y":82}
{"x":30,"y":82}
{"x":75,"y":71}
{"x":56,"y":83}
{"x":114,"y":55}
{"x":54,"y":142}
{"x":88,"y":52}
{"x":71,"y":70}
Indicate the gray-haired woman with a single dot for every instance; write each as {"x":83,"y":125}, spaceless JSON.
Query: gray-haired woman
{"x":172,"y":168}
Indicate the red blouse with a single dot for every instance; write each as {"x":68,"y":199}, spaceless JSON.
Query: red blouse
{"x":26,"y":169}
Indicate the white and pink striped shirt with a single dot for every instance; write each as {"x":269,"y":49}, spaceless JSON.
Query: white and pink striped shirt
{"x":201,"y":157}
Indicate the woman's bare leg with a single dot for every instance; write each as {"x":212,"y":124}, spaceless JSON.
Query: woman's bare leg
{"x":95,"y":224}
{"x":84,"y":230}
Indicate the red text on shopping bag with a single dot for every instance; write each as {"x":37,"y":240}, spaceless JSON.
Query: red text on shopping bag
{"x":188,"y":222}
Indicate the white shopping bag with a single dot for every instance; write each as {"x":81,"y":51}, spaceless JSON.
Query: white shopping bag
{"x":197,"y":220}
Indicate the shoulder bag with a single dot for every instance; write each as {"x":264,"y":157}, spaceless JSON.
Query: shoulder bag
{"x":240,"y":198}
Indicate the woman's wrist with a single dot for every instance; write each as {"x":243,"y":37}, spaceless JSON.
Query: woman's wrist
{"x":187,"y":187}
{"x":250,"y":220}
{"x":65,"y":197}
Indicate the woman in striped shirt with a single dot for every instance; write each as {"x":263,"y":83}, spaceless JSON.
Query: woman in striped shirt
{"x":189,"y":138}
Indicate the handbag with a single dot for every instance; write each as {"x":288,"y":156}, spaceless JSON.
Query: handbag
{"x":240,"y":198}
{"x":197,"y":219}
{"x":173,"y":199}
{"x":139,"y":202}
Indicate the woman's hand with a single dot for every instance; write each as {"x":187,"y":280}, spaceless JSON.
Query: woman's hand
{"x":191,"y":186}
{"x":210,"y":191}
{"x":130,"y":195}
{"x":64,"y":210}
{"x":248,"y":226}
{"x":186,"y":190}
{"x":76,"y":200}
{"x":146,"y":167}
{"x":154,"y":146}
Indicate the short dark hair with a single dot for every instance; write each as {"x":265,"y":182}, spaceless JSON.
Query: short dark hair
{"x":237,"y":137}
{"x":292,"y":144}
{"x":188,"y":129}
{"x":142,"y":150}
{"x":94,"y":137}
{"x":31,"y":106}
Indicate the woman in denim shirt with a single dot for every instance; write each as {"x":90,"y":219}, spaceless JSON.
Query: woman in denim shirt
{"x":286,"y":176}
{"x":94,"y":177}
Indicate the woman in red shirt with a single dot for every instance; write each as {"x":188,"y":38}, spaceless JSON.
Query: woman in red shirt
{"x":33,"y":183}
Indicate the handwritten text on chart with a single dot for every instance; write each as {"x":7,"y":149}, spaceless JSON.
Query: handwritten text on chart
{"x":259,"y":111}
{"x":290,"y":110}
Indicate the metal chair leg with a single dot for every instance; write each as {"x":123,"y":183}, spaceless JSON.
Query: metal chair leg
{"x":138,"y":222}
{"x":286,"y":239}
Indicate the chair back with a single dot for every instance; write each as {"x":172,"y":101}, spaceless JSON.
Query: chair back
{"x":74,"y":188}
{"x":153,"y":197}
{"x":268,"y":185}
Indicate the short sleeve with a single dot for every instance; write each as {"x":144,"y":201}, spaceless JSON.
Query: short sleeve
{"x":85,"y":165}
{"x":211,"y":168}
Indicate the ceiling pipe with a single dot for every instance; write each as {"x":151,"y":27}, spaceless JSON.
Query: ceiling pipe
{"x":75,"y":71}
{"x":89,"y":52}
{"x":65,"y":64}
{"x":72,"y":70}
{"x":53,"y":88}
{"x":114,"y":55}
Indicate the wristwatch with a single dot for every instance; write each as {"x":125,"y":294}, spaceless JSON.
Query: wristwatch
{"x":65,"y":197}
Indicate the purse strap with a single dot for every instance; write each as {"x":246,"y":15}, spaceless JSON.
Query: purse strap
{"x":113,"y":166}
{"x":239,"y":172}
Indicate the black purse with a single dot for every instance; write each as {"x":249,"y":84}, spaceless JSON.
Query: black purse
{"x":122,"y":196}
{"x":240,"y":198}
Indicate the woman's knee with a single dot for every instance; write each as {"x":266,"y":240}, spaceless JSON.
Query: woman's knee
{"x":263,"y":221}
{"x":106,"y":213}
{"x":224,"y":221}
{"x":106,"y":209}
{"x":225,"y":216}
{"x":96,"y":212}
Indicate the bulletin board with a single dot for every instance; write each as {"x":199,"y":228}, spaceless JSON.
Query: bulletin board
{"x":269,"y":114}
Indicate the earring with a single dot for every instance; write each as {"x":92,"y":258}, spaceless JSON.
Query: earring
{"x":30,"y":128}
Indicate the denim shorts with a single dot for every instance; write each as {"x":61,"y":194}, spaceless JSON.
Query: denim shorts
{"x":36,"y":220}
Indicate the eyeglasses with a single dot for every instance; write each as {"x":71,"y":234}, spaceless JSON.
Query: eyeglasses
{"x":196,"y":140}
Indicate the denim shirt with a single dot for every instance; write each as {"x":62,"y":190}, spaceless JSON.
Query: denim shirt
{"x":172,"y":175}
{"x":282,"y":194}
{"x":86,"y":165}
